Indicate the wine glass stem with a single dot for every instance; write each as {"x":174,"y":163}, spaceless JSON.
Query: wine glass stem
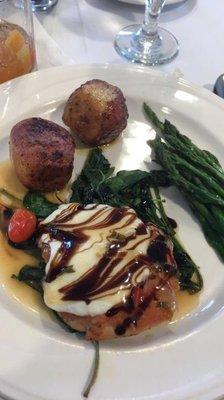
{"x":153,"y":9}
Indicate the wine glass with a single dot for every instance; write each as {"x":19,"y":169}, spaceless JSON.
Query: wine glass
{"x":42,"y":5}
{"x":147,"y":44}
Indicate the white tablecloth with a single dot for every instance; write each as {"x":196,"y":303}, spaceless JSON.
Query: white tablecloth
{"x":85,"y":29}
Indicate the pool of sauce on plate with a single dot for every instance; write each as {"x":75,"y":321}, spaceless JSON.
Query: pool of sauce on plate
{"x":9,"y":180}
{"x":11,"y":260}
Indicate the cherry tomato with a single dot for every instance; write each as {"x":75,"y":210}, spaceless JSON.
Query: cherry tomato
{"x":22,"y":225}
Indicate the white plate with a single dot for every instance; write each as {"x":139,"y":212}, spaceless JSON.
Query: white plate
{"x":180,"y":361}
{"x":142,"y":2}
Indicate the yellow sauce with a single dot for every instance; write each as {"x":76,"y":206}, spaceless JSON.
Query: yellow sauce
{"x":10,"y":183}
{"x":11,"y":260}
{"x":9,"y":180}
{"x":186,"y":303}
{"x":60,"y":196}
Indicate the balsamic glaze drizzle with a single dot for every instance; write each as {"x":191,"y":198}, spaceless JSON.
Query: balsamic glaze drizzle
{"x":100,"y":279}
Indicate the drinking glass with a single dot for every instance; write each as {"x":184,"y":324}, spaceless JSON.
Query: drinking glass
{"x":147,"y":43}
{"x":17,"y":50}
{"x":42,"y":5}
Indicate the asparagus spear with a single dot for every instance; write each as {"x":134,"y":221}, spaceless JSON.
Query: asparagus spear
{"x":167,"y":128}
{"x":171,"y":162}
{"x":198,"y":175}
{"x":203,"y":155}
{"x":212,"y":236}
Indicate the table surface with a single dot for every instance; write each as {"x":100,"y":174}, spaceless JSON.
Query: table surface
{"x":85,"y":30}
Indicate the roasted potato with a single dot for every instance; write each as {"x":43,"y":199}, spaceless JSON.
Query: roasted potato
{"x":42,"y":153}
{"x":96,"y":112}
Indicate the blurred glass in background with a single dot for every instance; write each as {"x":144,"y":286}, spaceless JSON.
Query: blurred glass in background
{"x":42,"y":5}
{"x":17,"y":48}
{"x":147,"y":43}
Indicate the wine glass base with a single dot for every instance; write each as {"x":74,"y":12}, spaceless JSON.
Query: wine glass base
{"x":136,"y":47}
{"x":42,"y":5}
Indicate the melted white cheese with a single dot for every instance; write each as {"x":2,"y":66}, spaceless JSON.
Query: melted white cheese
{"x":89,"y":254}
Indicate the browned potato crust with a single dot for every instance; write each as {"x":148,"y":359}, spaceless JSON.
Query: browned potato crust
{"x":42,"y":153}
{"x":96,"y":112}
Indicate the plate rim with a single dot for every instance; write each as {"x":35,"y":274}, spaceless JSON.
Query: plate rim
{"x":172,"y":78}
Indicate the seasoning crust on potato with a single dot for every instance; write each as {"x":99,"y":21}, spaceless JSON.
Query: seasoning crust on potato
{"x":42,"y":153}
{"x":96,"y":112}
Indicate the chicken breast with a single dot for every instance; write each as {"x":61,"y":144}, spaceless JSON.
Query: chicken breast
{"x":42,"y":153}
{"x":108,"y":274}
{"x":96,"y":112}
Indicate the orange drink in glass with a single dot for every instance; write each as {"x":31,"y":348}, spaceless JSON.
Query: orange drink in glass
{"x":17,"y":50}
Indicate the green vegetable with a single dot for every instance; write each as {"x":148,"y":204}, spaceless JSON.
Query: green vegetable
{"x":96,"y":184}
{"x":176,"y":167}
{"x":97,"y":167}
{"x":95,"y":369}
{"x":32,"y":276}
{"x":38,"y":204}
{"x":138,"y":190}
{"x":30,"y":247}
{"x":95,"y":171}
{"x":197,"y":174}
{"x":167,"y":128}
{"x":125,"y":179}
{"x":153,"y":117}
{"x":190,"y":278}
